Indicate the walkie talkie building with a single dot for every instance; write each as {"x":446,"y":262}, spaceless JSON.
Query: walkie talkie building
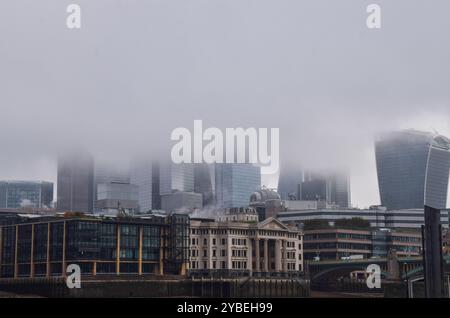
{"x":413,"y":169}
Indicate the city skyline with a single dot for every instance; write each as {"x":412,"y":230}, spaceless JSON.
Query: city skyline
{"x":355,"y":200}
{"x":311,"y":68}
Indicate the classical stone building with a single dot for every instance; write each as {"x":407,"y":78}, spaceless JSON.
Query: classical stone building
{"x":244,"y":248}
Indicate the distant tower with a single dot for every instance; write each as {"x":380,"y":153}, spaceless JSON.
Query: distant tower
{"x":204,"y":182}
{"x":145,"y":174}
{"x":75,"y":182}
{"x":289,"y":183}
{"x":413,"y":169}
{"x":235,"y":183}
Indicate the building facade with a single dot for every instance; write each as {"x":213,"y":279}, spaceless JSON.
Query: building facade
{"x":75,"y":183}
{"x":413,"y":169}
{"x":181,"y":202}
{"x":342,"y":243}
{"x":376,"y":216}
{"x":45,"y":247}
{"x":21,"y":194}
{"x":244,"y":248}
{"x":235,"y":182}
{"x":145,"y":174}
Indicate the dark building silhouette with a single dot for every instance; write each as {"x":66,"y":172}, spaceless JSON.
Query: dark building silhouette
{"x":75,"y":183}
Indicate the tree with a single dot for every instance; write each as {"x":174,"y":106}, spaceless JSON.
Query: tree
{"x":358,"y":223}
{"x":315,"y":224}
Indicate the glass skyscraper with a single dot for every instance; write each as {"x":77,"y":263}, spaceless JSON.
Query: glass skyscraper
{"x":145,"y":174}
{"x":413,"y":169}
{"x":19,"y":194}
{"x":235,"y":183}
{"x":76,"y":182}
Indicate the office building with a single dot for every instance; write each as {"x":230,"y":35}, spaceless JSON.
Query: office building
{"x":176,"y":177}
{"x":113,"y":191}
{"x":240,"y":248}
{"x":376,"y":216}
{"x":145,"y":174}
{"x":235,"y":182}
{"x":26,"y":194}
{"x":44,"y":247}
{"x":332,"y":188}
{"x":181,"y":202}
{"x":341,"y":243}
{"x":413,"y":169}
{"x":289,"y":183}
{"x":75,"y":183}
{"x":204,"y":182}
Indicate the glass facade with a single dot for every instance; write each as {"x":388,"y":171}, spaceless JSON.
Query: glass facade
{"x":413,"y":169}
{"x":235,"y":183}
{"x":76,"y":183}
{"x":158,"y":245}
{"x":17,"y":194}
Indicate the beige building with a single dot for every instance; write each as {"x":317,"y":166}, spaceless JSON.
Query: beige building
{"x":228,"y":246}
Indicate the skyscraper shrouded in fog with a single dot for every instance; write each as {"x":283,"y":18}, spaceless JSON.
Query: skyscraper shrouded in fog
{"x":19,"y":194}
{"x":235,"y":183}
{"x":176,"y":177}
{"x":204,"y":182}
{"x":413,"y":169}
{"x":289,"y":183}
{"x":332,"y":187}
{"x":75,"y":182}
{"x":145,"y":174}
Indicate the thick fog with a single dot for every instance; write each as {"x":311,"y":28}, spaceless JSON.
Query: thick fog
{"x":137,"y":69}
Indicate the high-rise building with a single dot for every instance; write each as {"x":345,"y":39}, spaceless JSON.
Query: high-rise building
{"x":235,"y":183}
{"x":289,"y":183}
{"x":145,"y":174}
{"x":331,"y":187}
{"x":113,"y":190}
{"x":413,"y":169}
{"x":20,"y":194}
{"x":75,"y":183}
{"x":176,"y":177}
{"x":204,"y":182}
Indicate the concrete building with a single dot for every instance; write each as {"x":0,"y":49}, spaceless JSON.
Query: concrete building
{"x":235,"y":182}
{"x":112,"y":197}
{"x":181,"y":202}
{"x":413,"y":169}
{"x":30,"y":194}
{"x":377,"y":216}
{"x":267,"y":203}
{"x":75,"y":182}
{"x":244,"y":248}
{"x":341,"y":243}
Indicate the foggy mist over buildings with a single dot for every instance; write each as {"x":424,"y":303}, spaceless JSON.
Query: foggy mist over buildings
{"x":138,"y":69}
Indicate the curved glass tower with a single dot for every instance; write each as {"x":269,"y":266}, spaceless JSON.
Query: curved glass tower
{"x":413,"y":169}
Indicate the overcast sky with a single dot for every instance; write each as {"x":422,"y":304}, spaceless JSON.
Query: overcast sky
{"x":137,"y":69}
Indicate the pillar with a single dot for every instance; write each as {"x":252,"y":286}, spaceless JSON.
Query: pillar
{"x":118,"y":250}
{"x":257,"y":256}
{"x":278,"y":254}
{"x":140,"y":250}
{"x":47,"y":274}
{"x":266,"y":255}
{"x":15,"y":251}
{"x":64,"y":265}
{"x":32,"y":252}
